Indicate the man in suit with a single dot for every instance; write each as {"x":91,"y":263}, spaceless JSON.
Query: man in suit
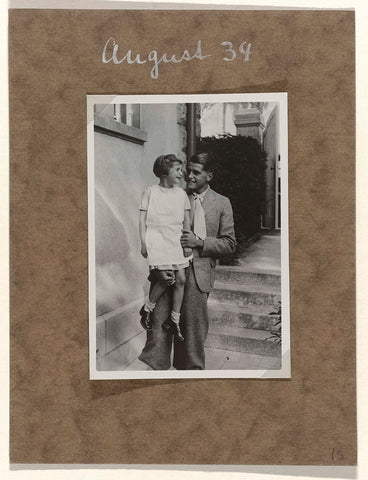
{"x":212,"y":237}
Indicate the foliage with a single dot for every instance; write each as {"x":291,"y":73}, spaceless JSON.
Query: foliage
{"x":276,"y":334}
{"x":240,"y":175}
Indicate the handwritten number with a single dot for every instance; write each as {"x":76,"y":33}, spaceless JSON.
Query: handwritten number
{"x":245,"y":52}
{"x":232,"y":53}
{"x":230,"y":49}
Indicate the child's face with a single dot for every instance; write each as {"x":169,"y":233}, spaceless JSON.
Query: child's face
{"x":175,"y":174}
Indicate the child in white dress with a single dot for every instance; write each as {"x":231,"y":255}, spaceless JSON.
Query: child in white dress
{"x":164,"y":213}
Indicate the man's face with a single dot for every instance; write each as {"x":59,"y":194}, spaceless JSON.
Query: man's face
{"x":197,"y":178}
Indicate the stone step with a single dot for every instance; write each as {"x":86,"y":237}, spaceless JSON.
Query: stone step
{"x":246,"y":340}
{"x":238,"y":275}
{"x":258,"y":317}
{"x":246,"y":295}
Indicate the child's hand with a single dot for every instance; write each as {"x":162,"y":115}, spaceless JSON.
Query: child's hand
{"x":187,"y":252}
{"x":144,"y":251}
{"x":165,"y":277}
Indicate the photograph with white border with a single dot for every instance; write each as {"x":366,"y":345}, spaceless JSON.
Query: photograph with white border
{"x":188,"y":236}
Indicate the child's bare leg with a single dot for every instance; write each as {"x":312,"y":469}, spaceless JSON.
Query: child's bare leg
{"x":158,"y":288}
{"x":178,"y":293}
{"x":164,"y":279}
{"x":172,"y":323}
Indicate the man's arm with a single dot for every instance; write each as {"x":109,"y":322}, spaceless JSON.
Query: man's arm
{"x":224,"y":244}
{"x":186,"y":223}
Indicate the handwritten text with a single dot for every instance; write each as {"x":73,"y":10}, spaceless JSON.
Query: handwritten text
{"x":111,"y":54}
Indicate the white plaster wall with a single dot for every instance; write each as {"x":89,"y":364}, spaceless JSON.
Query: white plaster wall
{"x":122,"y":171}
{"x":229,"y":119}
{"x":218,"y":120}
{"x":212,"y":120}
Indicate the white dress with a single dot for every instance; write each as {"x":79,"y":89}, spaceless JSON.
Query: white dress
{"x":165,"y":216}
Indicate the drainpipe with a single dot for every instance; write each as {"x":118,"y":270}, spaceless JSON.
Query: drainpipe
{"x":191,"y":129}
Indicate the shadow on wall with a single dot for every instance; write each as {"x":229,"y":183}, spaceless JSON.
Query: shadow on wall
{"x":118,"y":276}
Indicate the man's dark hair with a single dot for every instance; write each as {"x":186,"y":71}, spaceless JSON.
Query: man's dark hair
{"x":205,"y":159}
{"x":163,"y":164}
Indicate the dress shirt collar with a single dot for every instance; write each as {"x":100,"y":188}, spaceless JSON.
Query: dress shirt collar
{"x":201,"y":195}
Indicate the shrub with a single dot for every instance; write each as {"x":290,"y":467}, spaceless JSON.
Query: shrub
{"x":240,"y":175}
{"x":276,"y":334}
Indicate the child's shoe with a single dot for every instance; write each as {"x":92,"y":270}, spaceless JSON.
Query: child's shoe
{"x":174,"y":328}
{"x":146,"y":319}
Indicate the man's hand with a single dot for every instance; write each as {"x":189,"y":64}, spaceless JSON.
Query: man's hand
{"x":187,"y":252}
{"x":189,"y":240}
{"x":165,"y":277}
{"x":144,"y":251}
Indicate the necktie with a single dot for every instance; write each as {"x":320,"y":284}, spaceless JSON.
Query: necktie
{"x":199,"y":221}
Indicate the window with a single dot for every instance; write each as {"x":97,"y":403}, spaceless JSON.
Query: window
{"x":120,"y":120}
{"x":130,"y":114}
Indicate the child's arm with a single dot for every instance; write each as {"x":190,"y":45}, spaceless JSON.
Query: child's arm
{"x":186,"y":223}
{"x":142,"y":231}
{"x":186,"y":226}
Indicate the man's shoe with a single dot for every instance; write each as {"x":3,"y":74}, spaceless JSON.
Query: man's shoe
{"x":146,"y":319}
{"x":174,"y":328}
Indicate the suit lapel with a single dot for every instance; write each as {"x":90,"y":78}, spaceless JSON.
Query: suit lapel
{"x":208,"y":202}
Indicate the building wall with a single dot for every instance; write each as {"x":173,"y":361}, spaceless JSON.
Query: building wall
{"x":122,"y":171}
{"x":254,"y":119}
{"x":270,"y":143}
{"x":217,"y":119}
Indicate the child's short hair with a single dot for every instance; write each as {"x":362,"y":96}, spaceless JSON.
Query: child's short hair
{"x":163,"y":164}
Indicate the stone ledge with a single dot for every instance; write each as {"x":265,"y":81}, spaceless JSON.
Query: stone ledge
{"x":117,"y":327}
{"x":109,"y":126}
{"x":249,"y":117}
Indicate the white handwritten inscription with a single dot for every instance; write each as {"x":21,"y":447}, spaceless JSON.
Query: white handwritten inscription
{"x":232,"y":52}
{"x":110,"y":54}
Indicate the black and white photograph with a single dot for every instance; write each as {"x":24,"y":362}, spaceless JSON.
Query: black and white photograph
{"x":188,"y":236}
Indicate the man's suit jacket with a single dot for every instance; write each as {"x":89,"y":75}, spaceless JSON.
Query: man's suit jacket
{"x":220,"y":240}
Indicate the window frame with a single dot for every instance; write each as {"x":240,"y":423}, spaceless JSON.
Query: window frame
{"x":115,"y":127}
